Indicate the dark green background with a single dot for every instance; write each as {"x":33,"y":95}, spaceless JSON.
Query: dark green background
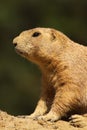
{"x":20,"y":79}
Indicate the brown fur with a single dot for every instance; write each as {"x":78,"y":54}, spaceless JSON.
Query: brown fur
{"x":64,"y":71}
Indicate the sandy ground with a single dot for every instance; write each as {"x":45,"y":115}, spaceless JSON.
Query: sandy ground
{"x":9,"y":122}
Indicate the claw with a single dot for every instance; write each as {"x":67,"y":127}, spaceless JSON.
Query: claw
{"x":77,"y":121}
{"x":49,"y":117}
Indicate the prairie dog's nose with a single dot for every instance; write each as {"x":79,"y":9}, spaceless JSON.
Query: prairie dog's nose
{"x":15,"y":41}
{"x":15,"y":44}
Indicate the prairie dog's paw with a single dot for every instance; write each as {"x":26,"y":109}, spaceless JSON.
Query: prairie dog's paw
{"x":32,"y":116}
{"x":78,"y":121}
{"x":49,"y":117}
{"x":36,"y":114}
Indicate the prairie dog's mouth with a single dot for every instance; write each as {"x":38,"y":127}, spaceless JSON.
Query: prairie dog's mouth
{"x":20,"y":52}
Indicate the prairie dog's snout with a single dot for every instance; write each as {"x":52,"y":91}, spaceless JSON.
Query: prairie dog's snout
{"x":15,"y":41}
{"x":15,"y":44}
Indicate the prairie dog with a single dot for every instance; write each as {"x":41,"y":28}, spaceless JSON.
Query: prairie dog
{"x":64,"y":72}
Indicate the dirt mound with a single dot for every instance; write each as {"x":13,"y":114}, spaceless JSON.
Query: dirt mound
{"x":8,"y":122}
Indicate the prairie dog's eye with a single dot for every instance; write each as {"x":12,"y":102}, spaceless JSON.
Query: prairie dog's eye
{"x":36,"y":34}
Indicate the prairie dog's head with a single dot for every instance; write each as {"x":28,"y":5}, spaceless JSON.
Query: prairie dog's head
{"x":39,"y":42}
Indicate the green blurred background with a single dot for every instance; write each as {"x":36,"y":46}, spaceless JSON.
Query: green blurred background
{"x":20,"y":79}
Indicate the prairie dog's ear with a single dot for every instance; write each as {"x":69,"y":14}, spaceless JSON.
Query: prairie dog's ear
{"x":53,"y":34}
